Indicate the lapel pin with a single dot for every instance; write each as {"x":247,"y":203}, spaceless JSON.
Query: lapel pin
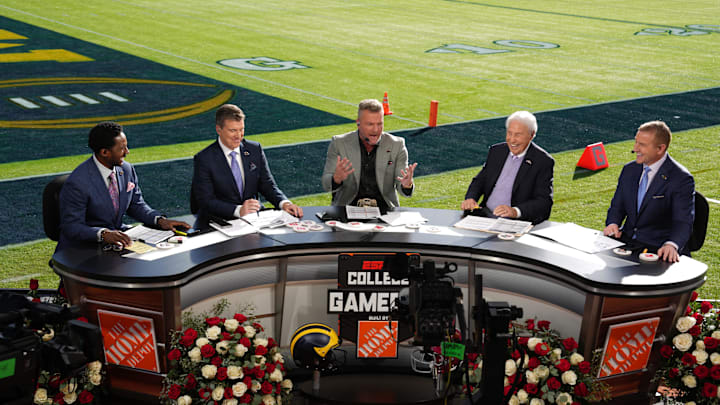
{"x":528,"y":161}
{"x":246,"y":153}
{"x":664,"y":177}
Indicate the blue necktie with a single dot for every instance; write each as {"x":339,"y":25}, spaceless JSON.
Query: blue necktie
{"x":237,"y":173}
{"x":642,"y":189}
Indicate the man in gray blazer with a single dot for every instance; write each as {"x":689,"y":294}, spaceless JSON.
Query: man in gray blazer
{"x":368,"y":163}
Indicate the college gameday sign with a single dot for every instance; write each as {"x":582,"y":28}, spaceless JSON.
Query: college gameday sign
{"x":129,"y":340}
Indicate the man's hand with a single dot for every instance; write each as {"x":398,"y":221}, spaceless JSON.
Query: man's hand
{"x":171,"y":224}
{"x":505,"y":211}
{"x":292,"y":209}
{"x":116,"y":238}
{"x":249,"y":206}
{"x":406,"y":176}
{"x":469,"y":204}
{"x":668,"y":253}
{"x":343,"y":168}
{"x":612,"y":230}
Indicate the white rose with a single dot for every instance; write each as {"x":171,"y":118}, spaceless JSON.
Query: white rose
{"x":208,"y":371}
{"x":249,"y":331}
{"x":278,"y":358}
{"x":700,"y":345}
{"x":231,"y":401}
{"x":689,"y":381}
{"x":239,"y":389}
{"x":240,"y":350}
{"x":576,"y":358}
{"x":268,"y":400}
{"x":201,"y":342}
{"x":537,"y":401}
{"x":569,"y":377}
{"x":715,"y":359}
{"x":49,"y":335}
{"x":555,"y":355}
{"x":260,"y":360}
{"x":231,"y":325}
{"x":523,"y":396}
{"x":716,"y":334}
{"x":510,"y":367}
{"x":683,"y":342}
{"x":532,"y":342}
{"x":94,"y":366}
{"x":286,"y":384}
{"x":563,"y":399}
{"x":685,"y":323}
{"x":222,"y":347}
{"x":40,"y":396}
{"x":218,"y":393}
{"x":195,"y":355}
{"x":531,"y":377}
{"x":255,"y":387}
{"x":514,"y":400}
{"x":70,"y":398}
{"x":276,"y":375}
{"x":260,"y":342}
{"x":542,"y":372}
{"x":95,"y":378}
{"x":213,"y":333}
{"x":184,"y":400}
{"x":234,"y":372}
{"x":701,"y":356}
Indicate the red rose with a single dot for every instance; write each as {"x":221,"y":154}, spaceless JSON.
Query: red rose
{"x":693,"y":296}
{"x":585,"y":367}
{"x":260,"y":350}
{"x":174,"y":391}
{"x":258,"y":327}
{"x":688,"y":359}
{"x":62,"y":292}
{"x":245,"y":399}
{"x":705,"y":307}
{"x":674,"y":372}
{"x":226,"y":336}
{"x":506,"y":390}
{"x":701,"y":372}
{"x":85,"y":397}
{"x":221,"y":373}
{"x":216,"y":361}
{"x":570,"y":344}
{"x":247,"y":380}
{"x":240,"y":318}
{"x":515,"y":355}
{"x":553,"y":383}
{"x":710,"y":342}
{"x":563,"y":365}
{"x":581,"y":390}
{"x":715,"y":372}
{"x":688,"y":310}
{"x":204,"y":393}
{"x":213,"y":321}
{"x":191,"y":334}
{"x":190,"y":382}
{"x":54,"y":381}
{"x":533,"y":363}
{"x":523,"y":340}
{"x":266,"y":387}
{"x":174,"y":354}
{"x":544,"y":325}
{"x":59,"y":398}
{"x":240,"y":331}
{"x":666,"y":351}
{"x":472,"y":356}
{"x":271,"y":343}
{"x":542,"y":349}
{"x":531,"y":389}
{"x":207,"y":351}
{"x":695,"y":331}
{"x":259,"y":373}
{"x":269,"y":368}
{"x":228,"y":393}
{"x":278,"y":388}
{"x":187,"y":341}
{"x":710,"y":390}
{"x":698,"y":319}
{"x":34,"y":284}
{"x":530,"y":324}
{"x":245,"y":342}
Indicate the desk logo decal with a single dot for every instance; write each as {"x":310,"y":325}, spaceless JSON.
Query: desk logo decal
{"x":129,"y":340}
{"x":628,"y":346}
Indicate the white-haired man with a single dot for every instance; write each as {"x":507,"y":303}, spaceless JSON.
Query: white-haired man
{"x":517,"y":178}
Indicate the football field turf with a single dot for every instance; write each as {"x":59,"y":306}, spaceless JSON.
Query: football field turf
{"x":299,"y":68}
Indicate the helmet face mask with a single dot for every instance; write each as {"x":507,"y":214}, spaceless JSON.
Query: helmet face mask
{"x":312,"y":344}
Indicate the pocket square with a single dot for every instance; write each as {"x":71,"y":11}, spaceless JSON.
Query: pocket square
{"x":130,"y":186}
{"x":655,"y":197}
{"x":389,"y":162}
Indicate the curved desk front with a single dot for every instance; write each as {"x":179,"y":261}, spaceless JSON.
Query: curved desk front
{"x":286,"y":275}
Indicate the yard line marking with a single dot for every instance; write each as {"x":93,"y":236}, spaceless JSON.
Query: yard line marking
{"x":57,"y":101}
{"x":714,"y":201}
{"x":20,"y":278}
{"x":24,"y":102}
{"x":113,"y":96}
{"x":85,"y":99}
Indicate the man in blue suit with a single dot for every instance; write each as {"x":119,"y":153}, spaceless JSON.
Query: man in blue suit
{"x":655,"y":196}
{"x":229,"y":174}
{"x":100,"y":191}
{"x":517,"y":178}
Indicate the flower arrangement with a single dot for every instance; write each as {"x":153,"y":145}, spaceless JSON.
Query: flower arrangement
{"x":224,"y":361}
{"x":545,"y":368}
{"x":690,"y":372}
{"x":54,"y":389}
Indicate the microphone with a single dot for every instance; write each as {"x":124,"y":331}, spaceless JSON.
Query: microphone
{"x":632,"y":151}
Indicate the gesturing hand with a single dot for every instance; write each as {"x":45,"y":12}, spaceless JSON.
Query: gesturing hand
{"x":343,"y":169}
{"x":406,"y":176}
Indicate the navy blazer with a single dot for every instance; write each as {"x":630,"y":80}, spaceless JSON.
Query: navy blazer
{"x":532,"y":191}
{"x":86,"y":207}
{"x":667,"y":211}
{"x":214,"y":190}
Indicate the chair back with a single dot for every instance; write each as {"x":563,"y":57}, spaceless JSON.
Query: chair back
{"x":702,"y":211}
{"x":51,"y":207}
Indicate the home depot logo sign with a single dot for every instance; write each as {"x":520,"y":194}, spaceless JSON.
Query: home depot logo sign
{"x":628,"y":346}
{"x":375,"y":339}
{"x":129,"y":340}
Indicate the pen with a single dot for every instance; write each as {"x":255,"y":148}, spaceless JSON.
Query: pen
{"x":180,"y":233}
{"x":645,"y":251}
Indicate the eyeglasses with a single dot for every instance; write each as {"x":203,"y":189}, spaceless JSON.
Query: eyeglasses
{"x":114,"y":247}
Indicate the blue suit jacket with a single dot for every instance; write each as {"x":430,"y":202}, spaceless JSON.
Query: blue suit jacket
{"x":86,"y":207}
{"x":214,"y":190}
{"x":532,"y":190}
{"x":667,"y":210}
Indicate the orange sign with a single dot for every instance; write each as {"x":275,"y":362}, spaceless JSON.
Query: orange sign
{"x":628,"y":346}
{"x":129,"y":340}
{"x":376,"y":340}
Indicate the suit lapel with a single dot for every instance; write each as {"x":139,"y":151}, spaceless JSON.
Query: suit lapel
{"x":382,"y":155}
{"x":248,"y":183}
{"x":524,"y":168}
{"x":353,"y":154}
{"x":658,"y":183}
{"x":500,"y":164}
{"x":98,"y":183}
{"x":122,"y":179}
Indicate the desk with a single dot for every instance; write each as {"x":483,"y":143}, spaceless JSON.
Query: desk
{"x":285,"y":275}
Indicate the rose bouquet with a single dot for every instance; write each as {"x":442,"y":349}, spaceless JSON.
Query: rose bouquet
{"x":54,"y":389}
{"x":225,"y":361}
{"x":691,"y":363}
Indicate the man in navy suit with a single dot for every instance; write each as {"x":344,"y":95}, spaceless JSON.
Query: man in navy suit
{"x":517,"y":178}
{"x":655,"y":196}
{"x":100,"y":191}
{"x":229,"y":174}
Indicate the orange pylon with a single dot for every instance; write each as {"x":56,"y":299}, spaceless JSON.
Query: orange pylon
{"x":386,"y":105}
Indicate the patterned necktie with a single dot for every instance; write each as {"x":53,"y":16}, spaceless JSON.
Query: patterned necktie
{"x":114,"y":193}
{"x":642,"y":189}
{"x":235,"y":168}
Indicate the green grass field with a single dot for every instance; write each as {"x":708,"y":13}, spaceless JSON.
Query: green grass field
{"x":478,"y":59}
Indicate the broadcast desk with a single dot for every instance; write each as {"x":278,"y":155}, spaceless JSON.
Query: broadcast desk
{"x":286,"y":275}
